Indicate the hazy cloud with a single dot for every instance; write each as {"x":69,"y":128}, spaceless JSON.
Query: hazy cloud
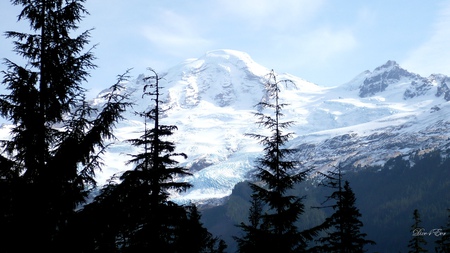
{"x":325,"y":43}
{"x":433,"y":56}
{"x":174,"y":33}
{"x":263,"y":14}
{"x":318,"y":46}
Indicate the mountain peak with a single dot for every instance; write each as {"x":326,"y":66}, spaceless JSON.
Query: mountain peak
{"x":383,"y":76}
{"x":388,"y":65}
{"x":220,"y":77}
{"x":237,"y":59}
{"x":227,"y":53}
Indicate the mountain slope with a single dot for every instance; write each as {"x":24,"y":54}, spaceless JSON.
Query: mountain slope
{"x":377,"y":116}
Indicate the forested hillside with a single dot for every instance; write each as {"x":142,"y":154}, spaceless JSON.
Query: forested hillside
{"x":386,"y":197}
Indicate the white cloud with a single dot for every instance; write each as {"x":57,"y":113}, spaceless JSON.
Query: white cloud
{"x":326,"y":43}
{"x":318,"y":46}
{"x":263,"y":14}
{"x":433,"y":56}
{"x":174,"y":34}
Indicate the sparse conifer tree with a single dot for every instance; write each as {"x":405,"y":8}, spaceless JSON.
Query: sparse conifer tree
{"x":277,"y":173}
{"x":147,"y":185}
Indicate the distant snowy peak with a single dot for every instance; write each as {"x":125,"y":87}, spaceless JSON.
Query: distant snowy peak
{"x":221,"y":78}
{"x":384,"y":76}
{"x":388,"y":67}
{"x":400,"y":82}
{"x":238,"y":59}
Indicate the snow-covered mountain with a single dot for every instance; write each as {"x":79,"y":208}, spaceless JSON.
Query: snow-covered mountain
{"x":378,"y":115}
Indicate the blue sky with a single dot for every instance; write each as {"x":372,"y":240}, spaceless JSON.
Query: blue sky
{"x":327,"y":42}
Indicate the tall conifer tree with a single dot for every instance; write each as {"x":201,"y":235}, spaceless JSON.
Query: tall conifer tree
{"x":276,"y":172}
{"x":147,"y":185}
{"x":56,"y":141}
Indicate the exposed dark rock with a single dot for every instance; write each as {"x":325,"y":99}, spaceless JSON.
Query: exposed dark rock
{"x":382,"y":77}
{"x":443,"y":90}
{"x":418,"y":87}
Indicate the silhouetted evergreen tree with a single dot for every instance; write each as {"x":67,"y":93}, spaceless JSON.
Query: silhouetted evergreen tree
{"x":139,"y":215}
{"x":254,"y":232}
{"x":147,"y":185}
{"x":277,"y":231}
{"x":49,"y":163}
{"x":196,"y":238}
{"x":417,"y":242}
{"x":344,"y":225}
{"x":443,"y":243}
